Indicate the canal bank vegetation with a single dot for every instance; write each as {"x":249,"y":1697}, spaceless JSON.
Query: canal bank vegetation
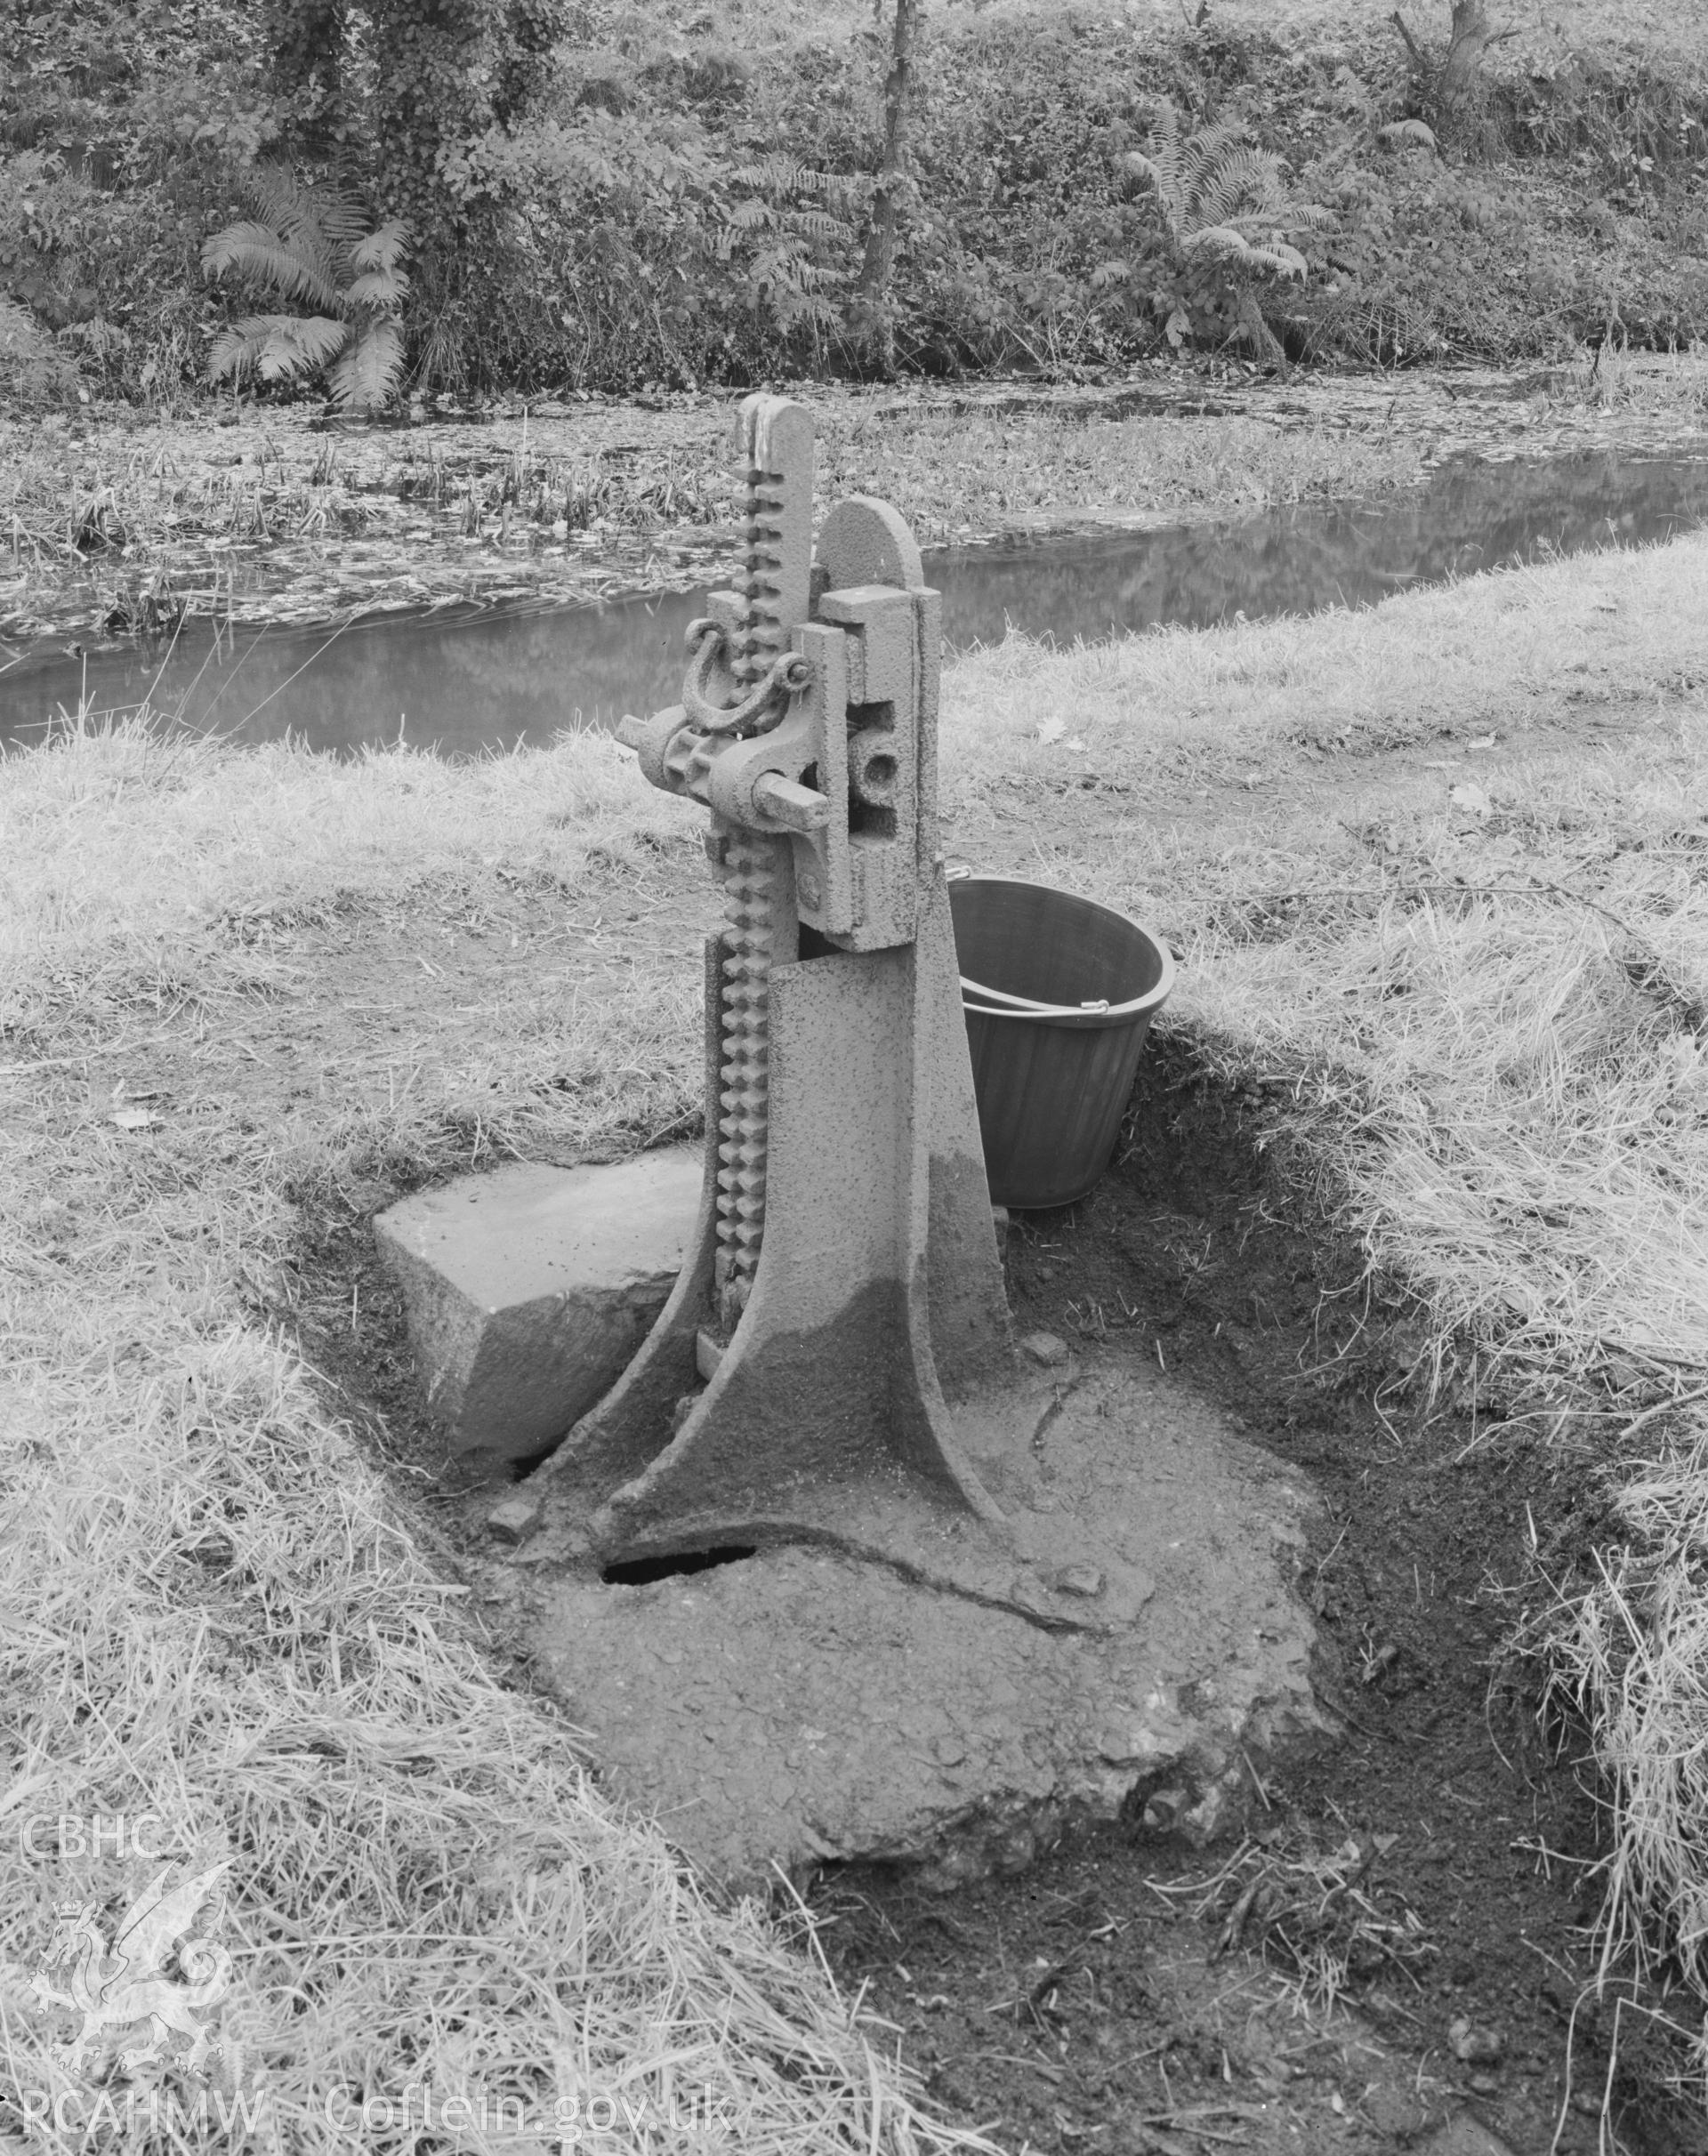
{"x":1433,"y":871}
{"x":112,"y":526}
{"x":276,"y":522}
{"x":585,"y":194}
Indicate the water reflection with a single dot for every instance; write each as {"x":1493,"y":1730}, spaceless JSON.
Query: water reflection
{"x":462,"y":679}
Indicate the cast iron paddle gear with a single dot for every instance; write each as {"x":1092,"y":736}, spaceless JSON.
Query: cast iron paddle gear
{"x":835,"y":1364}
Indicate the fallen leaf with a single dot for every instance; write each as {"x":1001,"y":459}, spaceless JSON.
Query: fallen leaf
{"x":1052,"y":730}
{"x":133,"y":1119}
{"x":1470,"y":797}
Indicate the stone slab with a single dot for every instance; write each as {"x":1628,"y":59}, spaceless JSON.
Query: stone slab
{"x":803,"y":1705}
{"x":529,"y":1290}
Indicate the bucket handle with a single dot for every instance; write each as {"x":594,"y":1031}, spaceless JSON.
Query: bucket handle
{"x":990,"y":1002}
{"x":1024,"y":1008}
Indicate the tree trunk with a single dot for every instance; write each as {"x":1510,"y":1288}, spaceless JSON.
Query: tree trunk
{"x":1468,"y":40}
{"x":879,"y":266}
{"x":1450,"y":81}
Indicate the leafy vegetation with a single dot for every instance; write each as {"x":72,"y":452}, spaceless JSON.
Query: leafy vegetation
{"x":599,"y":197}
{"x":314,"y":244}
{"x":33,"y":369}
{"x":1229,"y":218}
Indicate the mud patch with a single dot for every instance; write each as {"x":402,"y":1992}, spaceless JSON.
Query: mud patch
{"x":809,"y":1705}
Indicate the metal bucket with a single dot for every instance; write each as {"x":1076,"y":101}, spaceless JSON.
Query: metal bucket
{"x":1059,"y":993}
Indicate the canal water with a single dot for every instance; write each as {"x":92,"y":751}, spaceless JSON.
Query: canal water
{"x":466,"y":679}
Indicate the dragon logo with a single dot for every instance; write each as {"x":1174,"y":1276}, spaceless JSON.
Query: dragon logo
{"x":116,"y":1988}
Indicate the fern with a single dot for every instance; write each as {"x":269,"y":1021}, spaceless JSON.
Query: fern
{"x":382,"y":249}
{"x":1227,"y":244}
{"x":1226,"y":208}
{"x":1219,"y":196}
{"x":794,"y":251}
{"x":365,"y":374}
{"x":318,"y":247}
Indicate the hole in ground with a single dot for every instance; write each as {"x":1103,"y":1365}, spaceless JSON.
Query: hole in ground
{"x":675,"y":1565}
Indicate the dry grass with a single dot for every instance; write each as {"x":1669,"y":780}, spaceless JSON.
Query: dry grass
{"x":211,"y":1608}
{"x":1490,"y":651}
{"x":1636,"y":1648}
{"x":1317,"y":1914}
{"x":120,"y":846}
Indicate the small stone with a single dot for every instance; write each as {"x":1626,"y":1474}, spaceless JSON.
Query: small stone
{"x":1122,"y":1747}
{"x":514,"y":1520}
{"x":1164,"y":1809}
{"x":1203,"y":1822}
{"x":1485,"y":2085}
{"x":948,"y":1751}
{"x":1047,"y":1349}
{"x":1014,"y":1851}
{"x":1475,"y":2046}
{"x":1396,"y":2114}
{"x":1080,"y":1580}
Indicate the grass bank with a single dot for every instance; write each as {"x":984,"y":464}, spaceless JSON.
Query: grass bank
{"x":1434,"y":875}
